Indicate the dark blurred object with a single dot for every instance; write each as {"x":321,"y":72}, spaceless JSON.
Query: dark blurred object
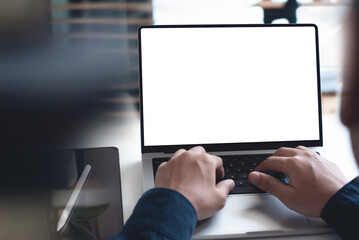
{"x":24,"y":20}
{"x":52,"y":85}
{"x":289,"y":12}
{"x":49,"y":93}
{"x":54,"y":88}
{"x":63,"y":64}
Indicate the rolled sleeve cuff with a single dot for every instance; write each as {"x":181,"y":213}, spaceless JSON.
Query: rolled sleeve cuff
{"x":164,"y":211}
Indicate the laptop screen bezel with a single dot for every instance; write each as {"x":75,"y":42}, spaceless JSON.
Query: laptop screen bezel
{"x":231,"y":146}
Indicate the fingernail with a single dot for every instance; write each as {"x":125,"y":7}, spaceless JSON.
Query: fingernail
{"x":254,"y":178}
{"x":230,"y":183}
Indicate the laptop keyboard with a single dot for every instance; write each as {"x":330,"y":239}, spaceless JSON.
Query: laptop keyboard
{"x":237,"y":167}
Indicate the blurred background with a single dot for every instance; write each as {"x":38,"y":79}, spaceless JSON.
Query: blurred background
{"x":69,"y":72}
{"x":65,"y":63}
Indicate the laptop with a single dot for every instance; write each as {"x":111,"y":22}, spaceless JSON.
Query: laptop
{"x":241,"y":92}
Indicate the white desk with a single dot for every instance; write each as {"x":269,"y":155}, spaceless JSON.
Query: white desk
{"x":126,"y":137}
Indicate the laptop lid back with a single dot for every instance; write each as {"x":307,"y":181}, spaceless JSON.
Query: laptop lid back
{"x":229,"y":87}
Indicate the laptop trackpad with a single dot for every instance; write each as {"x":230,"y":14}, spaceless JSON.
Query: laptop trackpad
{"x":250,"y":214}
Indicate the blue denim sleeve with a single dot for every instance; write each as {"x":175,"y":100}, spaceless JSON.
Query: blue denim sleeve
{"x":342,"y":210}
{"x":160,"y":213}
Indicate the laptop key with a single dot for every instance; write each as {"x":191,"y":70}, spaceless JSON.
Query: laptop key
{"x":240,"y":170}
{"x":254,"y":164}
{"x":242,"y":163}
{"x":241,"y":183}
{"x":243,"y":176}
{"x":232,"y":176}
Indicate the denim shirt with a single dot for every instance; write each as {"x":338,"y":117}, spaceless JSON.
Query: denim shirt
{"x":342,"y":210}
{"x":160,"y":213}
{"x":166,"y":214}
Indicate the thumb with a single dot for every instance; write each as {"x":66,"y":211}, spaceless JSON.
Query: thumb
{"x":268,"y":184}
{"x":225,"y":186}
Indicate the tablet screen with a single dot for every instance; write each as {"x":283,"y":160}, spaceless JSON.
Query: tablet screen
{"x":86,"y":196}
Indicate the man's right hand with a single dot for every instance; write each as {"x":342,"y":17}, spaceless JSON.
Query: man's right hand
{"x":193,"y":173}
{"x":312,"y":179}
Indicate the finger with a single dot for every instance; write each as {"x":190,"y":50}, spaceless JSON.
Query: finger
{"x":270,"y":184}
{"x":274,"y":164}
{"x":225,"y":186}
{"x":217,"y":160}
{"x":161,"y":166}
{"x":286,"y":152}
{"x":219,"y":165}
{"x":159,"y":170}
{"x":302,"y":148}
{"x":178,"y":152}
{"x":197,"y":150}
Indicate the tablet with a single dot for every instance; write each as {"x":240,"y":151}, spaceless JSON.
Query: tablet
{"x":85,"y":199}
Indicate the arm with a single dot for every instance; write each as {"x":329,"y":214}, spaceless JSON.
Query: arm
{"x":316,"y":188}
{"x":342,"y":211}
{"x":160,"y":214}
{"x":186,"y":191}
{"x":313,"y":180}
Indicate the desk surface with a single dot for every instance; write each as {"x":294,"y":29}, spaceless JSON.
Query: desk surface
{"x":126,"y":136}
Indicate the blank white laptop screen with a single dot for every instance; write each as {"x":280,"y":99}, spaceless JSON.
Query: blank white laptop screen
{"x":209,"y":85}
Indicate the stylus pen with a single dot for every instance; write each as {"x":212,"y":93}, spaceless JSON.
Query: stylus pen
{"x":73,"y":198}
